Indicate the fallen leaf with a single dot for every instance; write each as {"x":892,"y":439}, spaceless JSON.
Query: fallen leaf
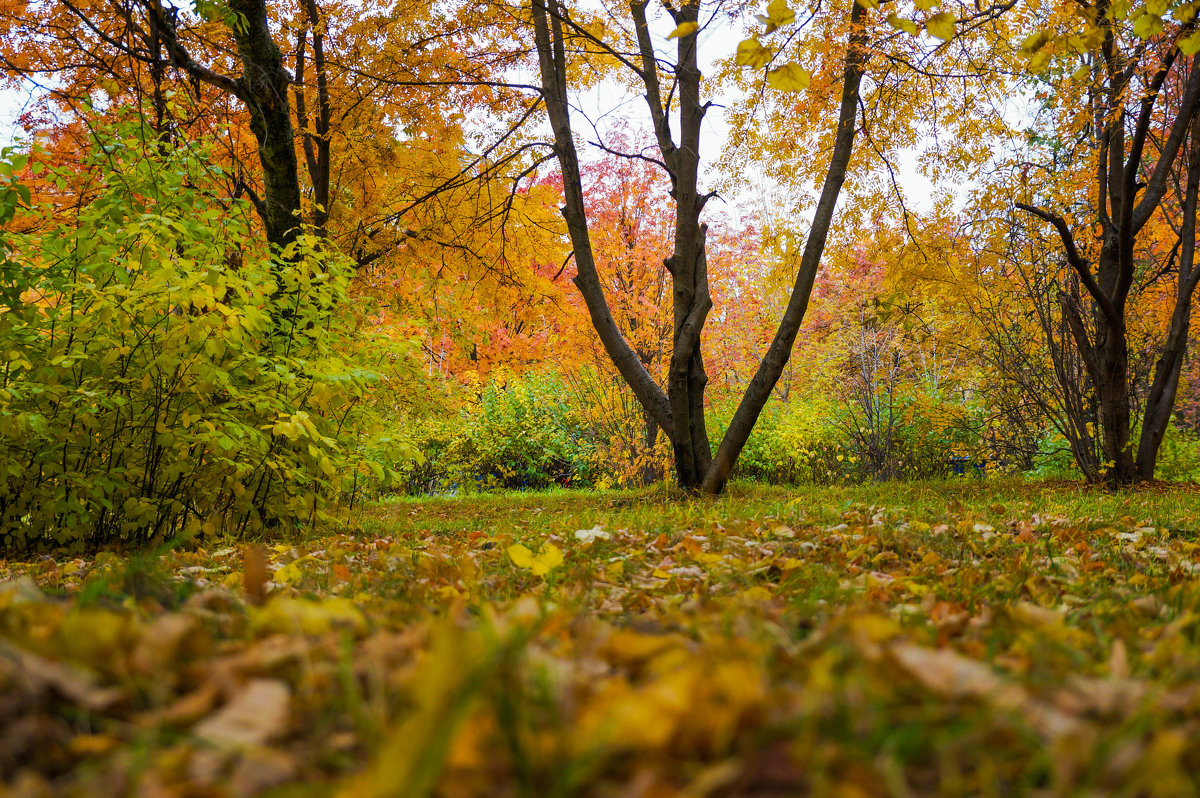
{"x":255,"y":716}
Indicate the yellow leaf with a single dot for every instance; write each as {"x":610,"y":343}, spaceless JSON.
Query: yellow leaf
{"x":289,"y":573}
{"x":660,"y":574}
{"x":547,"y":560}
{"x":684,"y":29}
{"x":779,"y":13}
{"x":521,"y":556}
{"x":752,"y":54}
{"x":925,"y":5}
{"x":789,"y":77}
{"x":941,"y":25}
{"x":1190,"y":45}
{"x":756,"y":594}
{"x":900,"y":23}
{"x":1148,"y":25}
{"x":444,"y":688}
{"x":289,"y":616}
{"x":868,"y":3}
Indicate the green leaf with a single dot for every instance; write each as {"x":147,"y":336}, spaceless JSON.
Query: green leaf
{"x":1190,"y":45}
{"x":789,"y":77}
{"x":1147,"y":25}
{"x":684,"y":29}
{"x":941,"y":25}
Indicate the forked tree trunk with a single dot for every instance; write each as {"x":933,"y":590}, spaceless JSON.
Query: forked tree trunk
{"x":1124,"y":207}
{"x":679,"y":411}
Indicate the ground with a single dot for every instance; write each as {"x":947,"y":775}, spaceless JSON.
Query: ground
{"x":968,"y":637}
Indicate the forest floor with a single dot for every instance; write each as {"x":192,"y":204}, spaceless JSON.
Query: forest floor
{"x":966,"y":637}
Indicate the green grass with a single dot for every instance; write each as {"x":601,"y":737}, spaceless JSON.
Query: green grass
{"x":962,"y":637}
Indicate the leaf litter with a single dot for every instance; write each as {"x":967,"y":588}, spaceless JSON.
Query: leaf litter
{"x":749,"y":651}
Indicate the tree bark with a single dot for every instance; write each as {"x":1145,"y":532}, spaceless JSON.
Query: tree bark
{"x":1121,"y":214}
{"x":1160,"y":402}
{"x":552,"y":64}
{"x":680,"y":410}
{"x":316,"y":142}
{"x":780,"y":350}
{"x":263,"y":86}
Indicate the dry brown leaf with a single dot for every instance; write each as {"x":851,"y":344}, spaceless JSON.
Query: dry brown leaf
{"x":1108,"y":697}
{"x":949,"y":673}
{"x":256,"y":715}
{"x":38,"y":675}
{"x":169,"y":639}
{"x":260,"y":769}
{"x":188,"y":709}
{"x":1118,"y":661}
{"x":1037,"y":615}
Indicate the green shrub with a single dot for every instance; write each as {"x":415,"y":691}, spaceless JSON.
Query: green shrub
{"x":1179,"y":456}
{"x":520,"y":432}
{"x":162,"y":373}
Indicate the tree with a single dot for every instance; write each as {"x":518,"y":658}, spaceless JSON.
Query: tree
{"x":679,"y":410}
{"x":1128,"y":115}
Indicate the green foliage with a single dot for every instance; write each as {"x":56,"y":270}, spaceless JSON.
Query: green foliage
{"x":815,"y":440}
{"x":520,"y":432}
{"x":793,"y":443}
{"x":1053,"y":459}
{"x":537,"y":431}
{"x":162,"y":372}
{"x":1179,"y":457}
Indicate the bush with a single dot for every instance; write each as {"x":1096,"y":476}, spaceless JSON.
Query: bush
{"x":1179,"y":456}
{"x":163,"y":373}
{"x":518,"y":433}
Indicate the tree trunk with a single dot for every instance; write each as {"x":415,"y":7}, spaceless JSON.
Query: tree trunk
{"x":1160,"y":402}
{"x":548,"y":23}
{"x":316,"y":142}
{"x":680,"y":410}
{"x":263,"y":87}
{"x":776,"y":358}
{"x":1121,"y":213}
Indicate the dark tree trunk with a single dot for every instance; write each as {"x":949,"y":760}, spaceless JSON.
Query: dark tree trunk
{"x":679,"y":411}
{"x":776,"y":358}
{"x":316,"y":142}
{"x":264,"y":87}
{"x":1121,"y":213}
{"x":1160,"y":402}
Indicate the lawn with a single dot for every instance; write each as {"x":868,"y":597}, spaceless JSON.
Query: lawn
{"x":968,"y":637}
